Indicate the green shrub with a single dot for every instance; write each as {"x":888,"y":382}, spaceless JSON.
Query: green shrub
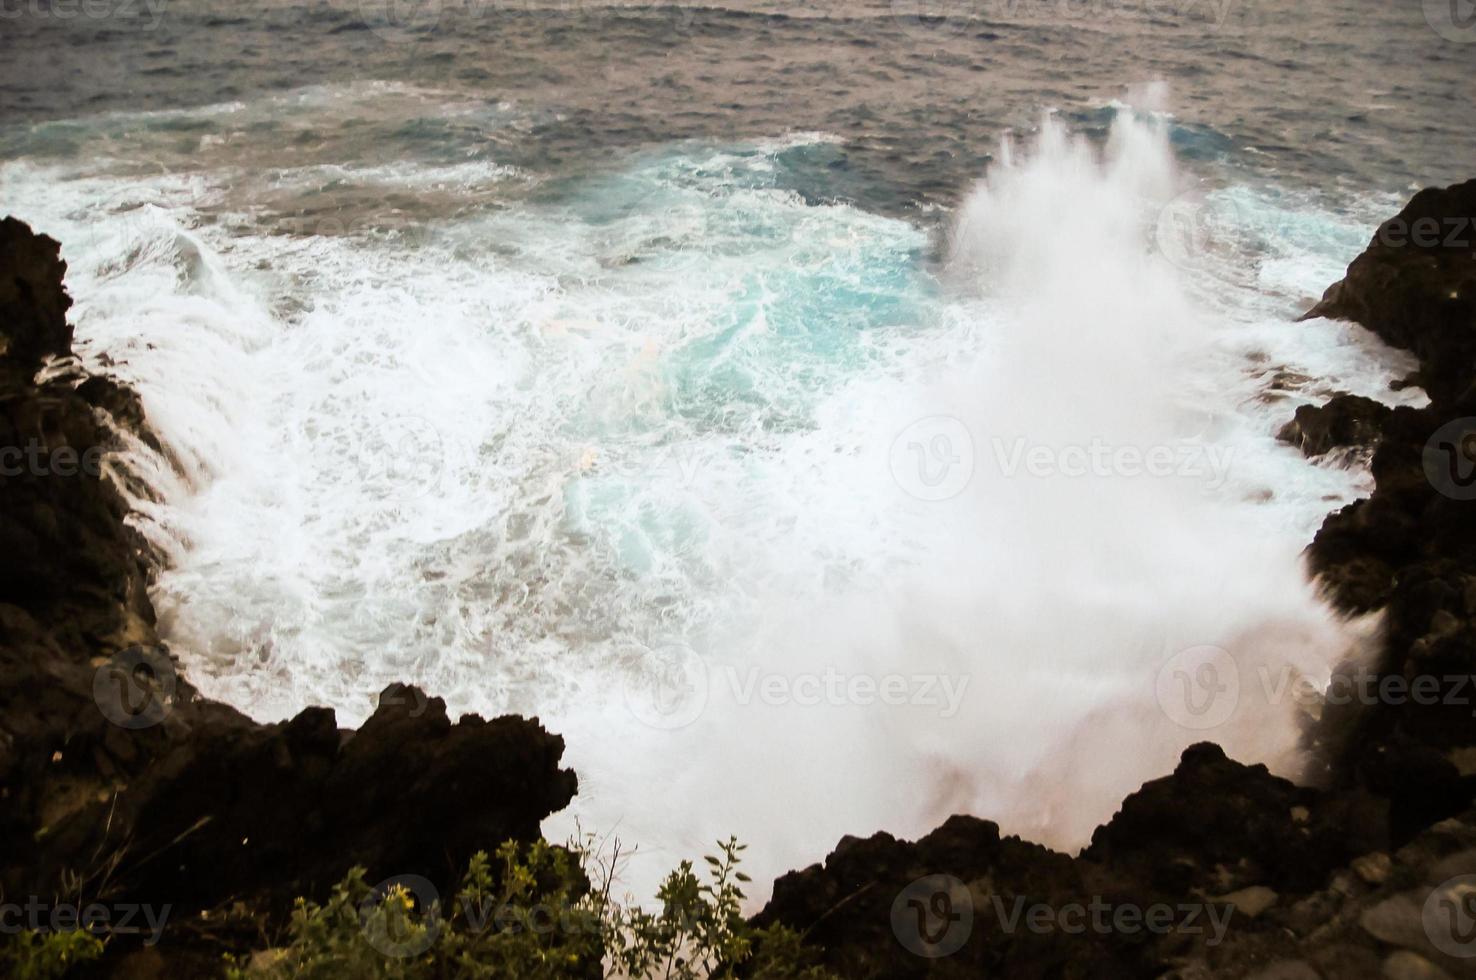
{"x":539,"y":917}
{"x":46,"y":956}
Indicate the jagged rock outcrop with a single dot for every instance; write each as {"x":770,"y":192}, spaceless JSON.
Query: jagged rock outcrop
{"x":1215,"y":826}
{"x":1410,"y":548}
{"x":1345,"y":422}
{"x":1415,"y":286}
{"x":1209,"y":848}
{"x":1219,"y":870}
{"x":33,"y":300}
{"x":118,"y":782}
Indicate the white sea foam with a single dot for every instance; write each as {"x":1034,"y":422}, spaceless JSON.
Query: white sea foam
{"x":657,"y":464}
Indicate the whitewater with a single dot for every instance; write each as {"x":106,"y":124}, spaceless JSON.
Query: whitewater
{"x":795,"y":519}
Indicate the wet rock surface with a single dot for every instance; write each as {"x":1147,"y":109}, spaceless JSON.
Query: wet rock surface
{"x":1415,"y":286}
{"x":1345,"y":422}
{"x":1410,"y":548}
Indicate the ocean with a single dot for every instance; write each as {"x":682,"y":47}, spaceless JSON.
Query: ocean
{"x":828,"y":418}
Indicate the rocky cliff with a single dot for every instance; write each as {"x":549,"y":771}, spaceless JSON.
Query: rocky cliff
{"x":118,"y":782}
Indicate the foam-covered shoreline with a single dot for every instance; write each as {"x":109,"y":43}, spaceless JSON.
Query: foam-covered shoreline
{"x":162,"y":797}
{"x":208,"y":808}
{"x":526,"y":458}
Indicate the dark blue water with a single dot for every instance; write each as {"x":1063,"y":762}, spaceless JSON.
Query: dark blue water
{"x":1331,"y":94}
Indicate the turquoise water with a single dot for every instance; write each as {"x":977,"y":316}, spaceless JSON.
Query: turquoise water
{"x":618,"y":369}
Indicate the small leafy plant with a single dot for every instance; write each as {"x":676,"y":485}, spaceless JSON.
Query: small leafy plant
{"x":46,"y":956}
{"x":539,"y":915}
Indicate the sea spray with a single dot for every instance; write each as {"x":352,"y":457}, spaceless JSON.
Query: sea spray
{"x":1104,"y":617}
{"x":704,"y":475}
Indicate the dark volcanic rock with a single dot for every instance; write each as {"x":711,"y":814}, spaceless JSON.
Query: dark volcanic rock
{"x":1345,"y":422}
{"x":1215,"y":824}
{"x":858,"y":906}
{"x":1415,"y":286}
{"x":33,"y":302}
{"x":1410,"y":548}
{"x":65,"y":553}
{"x":230,"y":809}
{"x":1212,"y":836}
{"x":116,"y":778}
{"x":1378,"y":917}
